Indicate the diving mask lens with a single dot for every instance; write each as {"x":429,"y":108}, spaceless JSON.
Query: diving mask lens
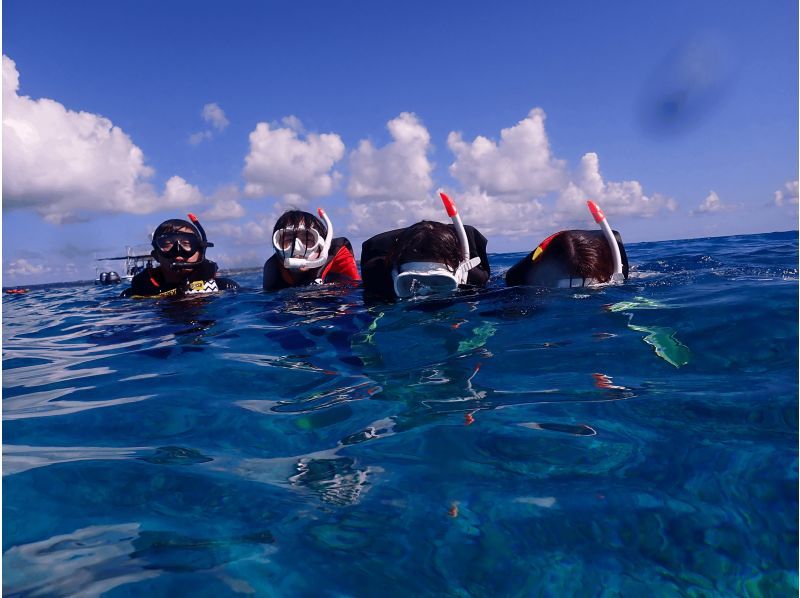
{"x":423,"y":278}
{"x":172,"y":245}
{"x":296,"y":242}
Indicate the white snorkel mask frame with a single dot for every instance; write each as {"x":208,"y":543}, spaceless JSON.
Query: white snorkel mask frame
{"x":435,"y":277}
{"x":294,"y":263}
{"x":600,"y":219}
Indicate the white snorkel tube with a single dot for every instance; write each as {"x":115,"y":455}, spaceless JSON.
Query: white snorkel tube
{"x":466,"y":264}
{"x":600,"y":219}
{"x":294,"y":262}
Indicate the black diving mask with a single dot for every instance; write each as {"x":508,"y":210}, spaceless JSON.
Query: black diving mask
{"x":172,"y":245}
{"x":184,"y":244}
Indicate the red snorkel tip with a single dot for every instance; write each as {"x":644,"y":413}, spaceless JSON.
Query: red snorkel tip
{"x":597,"y":213}
{"x":448,"y":205}
{"x":321,"y":212}
{"x":192,"y":217}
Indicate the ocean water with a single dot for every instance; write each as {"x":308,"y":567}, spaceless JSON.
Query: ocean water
{"x":632,"y":440}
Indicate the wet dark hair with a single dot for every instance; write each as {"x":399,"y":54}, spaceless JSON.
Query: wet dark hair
{"x":427,"y":241}
{"x":570,"y":254}
{"x":173,"y":226}
{"x":584,"y":255}
{"x":297,"y":217}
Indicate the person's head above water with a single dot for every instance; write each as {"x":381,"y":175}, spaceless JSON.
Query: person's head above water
{"x":429,"y":257}
{"x":179,"y":245}
{"x":301,"y":240}
{"x":575,"y":255}
{"x":427,"y":241}
{"x":574,"y":258}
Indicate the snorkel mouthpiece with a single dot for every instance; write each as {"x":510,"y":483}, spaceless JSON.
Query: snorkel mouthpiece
{"x":295,"y":263}
{"x":600,"y":219}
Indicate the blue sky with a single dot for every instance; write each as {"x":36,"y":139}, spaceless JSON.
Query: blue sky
{"x":679,"y":118}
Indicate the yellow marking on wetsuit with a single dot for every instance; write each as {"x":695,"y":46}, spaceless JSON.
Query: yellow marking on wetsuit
{"x":170,"y":293}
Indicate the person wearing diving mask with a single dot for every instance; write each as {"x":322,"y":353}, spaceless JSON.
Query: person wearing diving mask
{"x":425,"y":258}
{"x":306,"y":252}
{"x":179,"y":247}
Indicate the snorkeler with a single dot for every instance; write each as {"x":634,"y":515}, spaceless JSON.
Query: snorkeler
{"x":424,"y":258}
{"x":306,"y":252}
{"x":574,"y":258}
{"x":179,"y":247}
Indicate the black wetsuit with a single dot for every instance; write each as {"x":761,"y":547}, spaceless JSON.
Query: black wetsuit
{"x":554,"y":265}
{"x":377,"y":271}
{"x":150,"y":282}
{"x":340,"y":267}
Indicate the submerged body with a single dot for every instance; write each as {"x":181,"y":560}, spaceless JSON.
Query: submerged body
{"x":152,"y":282}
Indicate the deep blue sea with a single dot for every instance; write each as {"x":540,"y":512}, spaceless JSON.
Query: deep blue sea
{"x":632,"y":440}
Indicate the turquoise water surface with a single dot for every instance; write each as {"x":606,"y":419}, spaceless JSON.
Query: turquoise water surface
{"x":631,"y":440}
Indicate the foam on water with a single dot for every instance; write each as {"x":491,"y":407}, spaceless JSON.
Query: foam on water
{"x":628,"y":439}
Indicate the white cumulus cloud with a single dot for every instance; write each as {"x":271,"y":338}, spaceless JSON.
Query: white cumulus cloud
{"x":23,"y":267}
{"x":521,"y":163}
{"x":197,"y":138}
{"x":178,"y":193}
{"x":494,"y":215}
{"x":713,"y":204}
{"x":788,"y":195}
{"x":225,"y":209}
{"x":66,"y":164}
{"x":254,"y":232}
{"x":391,"y":186}
{"x":214,"y":115}
{"x":282,"y":163}
{"x":626,"y":198}
{"x":225,"y":204}
{"x":513,"y":187}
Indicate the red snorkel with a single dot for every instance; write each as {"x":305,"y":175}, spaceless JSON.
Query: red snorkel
{"x":450,"y":206}
{"x":200,"y":228}
{"x":462,"y":272}
{"x":600,"y":219}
